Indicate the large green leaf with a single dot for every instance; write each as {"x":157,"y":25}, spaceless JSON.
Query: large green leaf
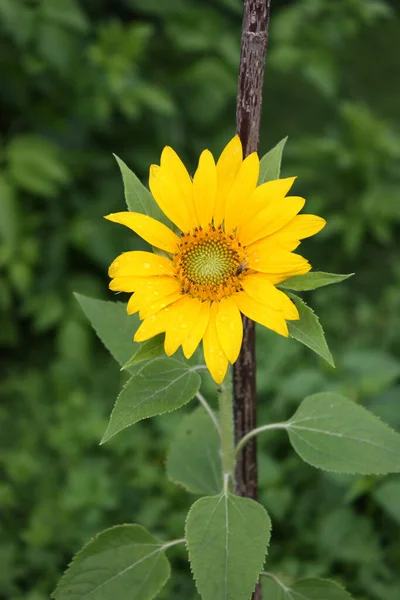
{"x":194,"y":459}
{"x":227,"y":539}
{"x":162,"y":385}
{"x":152,"y":348}
{"x":137,"y":196}
{"x":312,"y":281}
{"x":122,"y":562}
{"x":308,"y":330}
{"x":304,"y":589}
{"x":270,"y":164}
{"x":333,"y":433}
{"x":112,"y":324}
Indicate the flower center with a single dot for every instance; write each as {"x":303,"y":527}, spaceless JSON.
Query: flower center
{"x":209,"y":263}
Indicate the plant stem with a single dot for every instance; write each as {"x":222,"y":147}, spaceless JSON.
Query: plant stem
{"x":227,"y":433}
{"x":209,"y":410}
{"x":251,"y":434}
{"x":248,"y":113}
{"x":172,"y":543}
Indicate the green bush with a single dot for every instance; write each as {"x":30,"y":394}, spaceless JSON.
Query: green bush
{"x":81,"y":80}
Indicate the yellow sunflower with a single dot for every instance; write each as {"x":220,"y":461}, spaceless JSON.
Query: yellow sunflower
{"x":235,"y":243}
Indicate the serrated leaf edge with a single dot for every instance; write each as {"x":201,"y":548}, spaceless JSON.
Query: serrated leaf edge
{"x":95,"y":537}
{"x":330,"y":362}
{"x":142,"y":366}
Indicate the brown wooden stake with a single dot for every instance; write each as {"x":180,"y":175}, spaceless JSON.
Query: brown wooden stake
{"x":248,"y":112}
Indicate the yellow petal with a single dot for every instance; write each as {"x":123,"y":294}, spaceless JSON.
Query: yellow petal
{"x":177,"y":172}
{"x":169,"y":199}
{"x":205,"y":188}
{"x":133,"y":305}
{"x":260,"y":288}
{"x":155,"y":233}
{"x":214,"y":355}
{"x":140,"y":264}
{"x":302,"y":226}
{"x":183,"y":318}
{"x":153,"y":325}
{"x":243,"y":186}
{"x":229,"y":328}
{"x":123,"y":284}
{"x":197,"y":332}
{"x":266,"y":193}
{"x":227,"y":168}
{"x":289,"y":309}
{"x":272,"y":243}
{"x":273,"y":319}
{"x":270,"y":219}
{"x":149,"y":308}
{"x":278,"y":262}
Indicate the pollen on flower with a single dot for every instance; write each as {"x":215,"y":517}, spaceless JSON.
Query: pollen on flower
{"x":209,"y":263}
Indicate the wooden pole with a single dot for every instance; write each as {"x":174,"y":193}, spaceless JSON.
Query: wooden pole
{"x":248,"y":113}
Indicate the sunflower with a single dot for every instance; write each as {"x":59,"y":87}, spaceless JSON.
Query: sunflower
{"x":232,"y":243}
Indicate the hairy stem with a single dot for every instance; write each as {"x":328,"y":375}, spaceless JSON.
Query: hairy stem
{"x":251,"y":434}
{"x":227,"y":434}
{"x":248,"y":113}
{"x":209,"y":410}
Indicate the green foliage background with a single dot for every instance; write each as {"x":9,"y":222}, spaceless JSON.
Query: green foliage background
{"x":82,"y":79}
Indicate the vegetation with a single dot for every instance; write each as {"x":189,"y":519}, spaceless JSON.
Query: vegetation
{"x":84,"y":79}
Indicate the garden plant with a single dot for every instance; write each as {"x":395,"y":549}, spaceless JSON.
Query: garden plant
{"x":84,"y":78}
{"x":221,"y":257}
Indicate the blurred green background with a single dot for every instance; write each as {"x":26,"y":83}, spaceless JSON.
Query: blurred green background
{"x":81,"y":79}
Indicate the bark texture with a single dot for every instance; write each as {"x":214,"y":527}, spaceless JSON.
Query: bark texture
{"x":248,"y":113}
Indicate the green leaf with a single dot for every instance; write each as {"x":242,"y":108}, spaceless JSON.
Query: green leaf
{"x":194,"y":459}
{"x":137,"y":196}
{"x":333,"y":433}
{"x":306,"y":589}
{"x":122,"y":562}
{"x":308,"y":330}
{"x":388,"y":496}
{"x":270,"y":164}
{"x":227,"y":539}
{"x":161,"y":386}
{"x":312,"y":281}
{"x":112,"y":324}
{"x":152,"y":348}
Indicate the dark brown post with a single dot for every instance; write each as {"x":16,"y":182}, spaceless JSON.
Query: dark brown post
{"x":248,"y":113}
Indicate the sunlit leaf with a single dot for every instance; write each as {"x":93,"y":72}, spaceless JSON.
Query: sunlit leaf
{"x":137,"y":196}
{"x":152,"y":348}
{"x":122,"y":562}
{"x":227,"y":538}
{"x":112,"y":324}
{"x":270,"y":164}
{"x":308,"y":330}
{"x":333,"y":433}
{"x":312,"y":281}
{"x":162,"y":385}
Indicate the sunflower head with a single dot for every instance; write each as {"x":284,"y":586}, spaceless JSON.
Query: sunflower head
{"x":235,"y":243}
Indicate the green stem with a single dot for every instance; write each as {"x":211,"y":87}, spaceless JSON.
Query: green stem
{"x":255,"y":432}
{"x":227,"y":432}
